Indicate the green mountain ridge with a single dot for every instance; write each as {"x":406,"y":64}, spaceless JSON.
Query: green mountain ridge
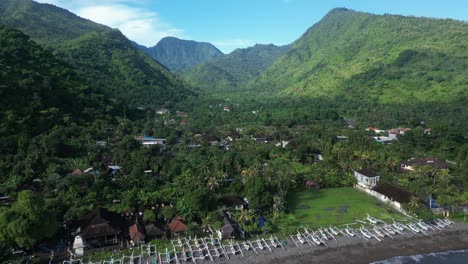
{"x":43,"y":103}
{"x":45,"y":23}
{"x":107,"y":60}
{"x":345,"y":49}
{"x":178,"y":55}
{"x":234,"y":69}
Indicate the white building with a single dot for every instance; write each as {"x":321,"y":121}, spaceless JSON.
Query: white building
{"x":367,"y":178}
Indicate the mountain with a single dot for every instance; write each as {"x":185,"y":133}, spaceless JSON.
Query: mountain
{"x":104,"y":57}
{"x":45,"y":23}
{"x":178,"y":55}
{"x":231,"y":71}
{"x":362,"y":56}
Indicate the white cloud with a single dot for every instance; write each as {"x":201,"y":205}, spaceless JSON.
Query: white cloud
{"x":133,"y":17}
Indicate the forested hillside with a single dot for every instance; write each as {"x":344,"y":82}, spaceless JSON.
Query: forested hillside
{"x":234,"y":69}
{"x":109,"y":61}
{"x":90,"y":122}
{"x":44,"y":109}
{"x":45,"y":23}
{"x":105,"y":59}
{"x":178,"y":55}
{"x":387,"y":58}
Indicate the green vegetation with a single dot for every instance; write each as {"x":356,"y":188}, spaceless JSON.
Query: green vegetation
{"x":385,"y":58}
{"x":232,"y":71}
{"x":179,"y":55}
{"x":109,"y":62}
{"x":335,"y":206}
{"x":81,"y":102}
{"x":103,"y":57}
{"x":29,"y":220}
{"x":46,"y":24}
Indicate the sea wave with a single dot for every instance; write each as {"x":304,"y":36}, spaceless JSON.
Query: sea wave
{"x":447,"y":257}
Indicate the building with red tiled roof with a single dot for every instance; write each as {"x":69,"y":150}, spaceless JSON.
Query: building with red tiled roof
{"x":136,"y":233}
{"x":177,"y":225}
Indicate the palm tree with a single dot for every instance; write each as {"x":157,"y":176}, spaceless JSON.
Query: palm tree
{"x":244,"y":216}
{"x":278,"y":206}
{"x":414,"y":202}
{"x":211,"y":182}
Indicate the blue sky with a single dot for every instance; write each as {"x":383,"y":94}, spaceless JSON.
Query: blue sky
{"x":231,"y":24}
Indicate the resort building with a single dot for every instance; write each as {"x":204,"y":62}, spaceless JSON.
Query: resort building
{"x":366,"y":178}
{"x":393,"y":195}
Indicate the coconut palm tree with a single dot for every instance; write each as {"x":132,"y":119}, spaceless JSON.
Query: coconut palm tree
{"x":414,"y":202}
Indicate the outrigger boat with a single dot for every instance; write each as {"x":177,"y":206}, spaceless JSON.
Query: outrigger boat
{"x":399,"y":227}
{"x":329,"y":235}
{"x":378,"y":232}
{"x":372,"y":220}
{"x":350,"y":232}
{"x":385,"y":232}
{"x":389,"y":229}
{"x":333,"y":230}
{"x":323,"y":236}
{"x":365,"y":233}
{"x":422,"y":226}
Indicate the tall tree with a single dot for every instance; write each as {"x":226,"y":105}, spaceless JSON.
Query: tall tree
{"x":28,"y":221}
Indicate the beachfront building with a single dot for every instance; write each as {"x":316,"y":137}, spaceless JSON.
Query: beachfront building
{"x":366,"y":178}
{"x":392,"y":195}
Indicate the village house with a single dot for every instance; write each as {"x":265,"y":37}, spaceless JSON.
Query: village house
{"x":77,"y":172}
{"x":149,"y":140}
{"x":233,"y":136}
{"x":162,"y":111}
{"x":113,"y":170}
{"x":384,"y":140}
{"x":153,"y":231}
{"x":413,"y":163}
{"x":342,"y":138}
{"x":227,"y":109}
{"x":367,"y":178}
{"x":229,"y":229}
{"x":137,"y":234}
{"x":101,"y":143}
{"x":232,"y":201}
{"x":375,"y":129}
{"x":99,"y":228}
{"x":398,"y":131}
{"x":282,"y":143}
{"x":212,"y":140}
{"x":177,"y":226}
{"x":182,"y":114}
{"x":260,"y":138}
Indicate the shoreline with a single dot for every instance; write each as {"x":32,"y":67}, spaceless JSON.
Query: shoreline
{"x":353,"y":250}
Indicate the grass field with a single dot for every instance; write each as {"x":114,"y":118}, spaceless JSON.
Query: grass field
{"x":326,"y":207}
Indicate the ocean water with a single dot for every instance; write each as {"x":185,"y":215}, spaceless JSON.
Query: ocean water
{"x":449,"y":257}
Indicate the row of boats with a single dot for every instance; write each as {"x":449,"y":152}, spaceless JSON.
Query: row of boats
{"x":370,"y":228}
{"x":212,"y":249}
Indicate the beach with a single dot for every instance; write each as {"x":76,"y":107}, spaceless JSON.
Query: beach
{"x":354,"y":250}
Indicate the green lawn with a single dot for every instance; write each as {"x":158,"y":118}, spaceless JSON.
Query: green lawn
{"x":326,"y":207}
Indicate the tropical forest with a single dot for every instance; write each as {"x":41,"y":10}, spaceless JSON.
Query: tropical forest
{"x":95,"y":126}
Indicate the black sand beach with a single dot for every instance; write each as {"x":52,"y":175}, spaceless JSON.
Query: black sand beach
{"x":353,"y":250}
